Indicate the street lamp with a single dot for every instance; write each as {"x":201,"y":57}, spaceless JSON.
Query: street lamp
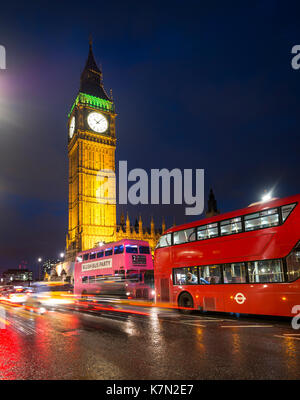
{"x":267,"y":196}
{"x":39,"y":267}
{"x":62,"y":255}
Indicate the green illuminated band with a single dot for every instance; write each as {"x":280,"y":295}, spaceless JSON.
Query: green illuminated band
{"x":92,"y":101}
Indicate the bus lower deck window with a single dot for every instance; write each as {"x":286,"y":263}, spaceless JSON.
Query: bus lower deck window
{"x":186,"y":276}
{"x":85,"y":279}
{"x":234,"y":273}
{"x":210,"y":274}
{"x":265,"y":271}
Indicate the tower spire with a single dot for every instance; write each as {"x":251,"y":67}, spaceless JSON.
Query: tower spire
{"x":91,"y":77}
{"x":212,"y":208}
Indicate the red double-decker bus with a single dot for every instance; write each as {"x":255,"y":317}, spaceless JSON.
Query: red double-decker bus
{"x":246,"y":261}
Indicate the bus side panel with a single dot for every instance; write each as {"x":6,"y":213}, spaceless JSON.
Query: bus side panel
{"x":264,"y":299}
{"x":219,"y":250}
{"x":163,"y":275}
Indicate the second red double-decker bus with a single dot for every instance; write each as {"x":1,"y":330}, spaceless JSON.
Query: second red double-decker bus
{"x":122,"y":269}
{"x":246,"y":261}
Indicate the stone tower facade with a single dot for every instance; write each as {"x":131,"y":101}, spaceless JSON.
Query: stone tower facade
{"x":91,"y":148}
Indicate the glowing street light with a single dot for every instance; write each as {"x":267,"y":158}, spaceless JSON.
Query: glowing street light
{"x":62,"y":255}
{"x":39,"y":259}
{"x":267,"y":196}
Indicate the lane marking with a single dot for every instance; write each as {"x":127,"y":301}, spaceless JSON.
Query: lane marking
{"x":246,"y":326}
{"x":287,"y":337}
{"x":292,"y":334}
{"x":180,"y":322}
{"x":205,"y":320}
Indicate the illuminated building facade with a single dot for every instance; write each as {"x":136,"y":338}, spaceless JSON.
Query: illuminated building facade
{"x":19,"y":276}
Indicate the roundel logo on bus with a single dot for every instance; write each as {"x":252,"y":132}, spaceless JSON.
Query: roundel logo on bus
{"x":240,"y":298}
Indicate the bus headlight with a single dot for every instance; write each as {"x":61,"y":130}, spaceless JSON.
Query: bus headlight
{"x":127,"y":293}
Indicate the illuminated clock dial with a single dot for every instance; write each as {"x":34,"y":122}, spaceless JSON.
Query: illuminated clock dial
{"x":72,"y":127}
{"x":97,"y":122}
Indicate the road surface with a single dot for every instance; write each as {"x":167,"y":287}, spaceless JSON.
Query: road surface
{"x":156,"y":344}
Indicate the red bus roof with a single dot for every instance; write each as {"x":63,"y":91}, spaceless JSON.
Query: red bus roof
{"x":232,"y":214}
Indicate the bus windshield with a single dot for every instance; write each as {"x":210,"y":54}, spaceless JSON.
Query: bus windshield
{"x":134,"y":276}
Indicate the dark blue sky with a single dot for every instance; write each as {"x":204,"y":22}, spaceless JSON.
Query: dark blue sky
{"x":196,"y":85}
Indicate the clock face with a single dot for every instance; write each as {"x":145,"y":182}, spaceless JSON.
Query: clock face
{"x":97,"y":122}
{"x":72,"y":127}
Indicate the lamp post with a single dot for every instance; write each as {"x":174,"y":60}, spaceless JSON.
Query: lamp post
{"x":39,"y":267}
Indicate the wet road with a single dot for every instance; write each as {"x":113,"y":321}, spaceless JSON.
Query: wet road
{"x":160,"y":345}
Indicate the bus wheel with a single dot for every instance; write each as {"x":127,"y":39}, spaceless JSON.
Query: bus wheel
{"x":185,"y":301}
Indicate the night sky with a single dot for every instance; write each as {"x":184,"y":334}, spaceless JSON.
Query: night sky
{"x":196,"y":85}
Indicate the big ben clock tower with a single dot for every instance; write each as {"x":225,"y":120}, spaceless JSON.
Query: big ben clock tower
{"x":91,"y":148}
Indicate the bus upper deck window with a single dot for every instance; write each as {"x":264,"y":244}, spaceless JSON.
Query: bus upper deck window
{"x":293,"y":263}
{"x":164,"y":241}
{"x":144,"y":250}
{"x":119,"y":249}
{"x":262,"y":219}
{"x":131,"y":249}
{"x":100,"y":254}
{"x":79,"y":259}
{"x":286,"y":210}
{"x":207,"y":231}
{"x":85,"y":256}
{"x":92,"y":256}
{"x":231,"y":226}
{"x":186,"y":235}
{"x":108,"y":252}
